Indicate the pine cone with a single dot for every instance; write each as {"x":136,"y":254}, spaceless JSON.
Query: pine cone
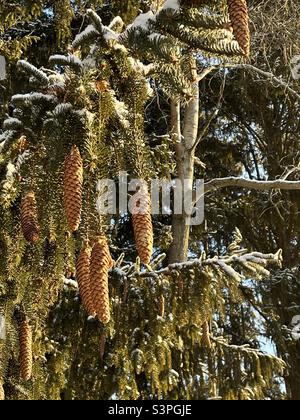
{"x":25,"y":341}
{"x":205,"y":340}
{"x":238,"y":13}
{"x":101,"y":262}
{"x":2,"y":395}
{"x":83,"y":279}
{"x":29,"y":218}
{"x":73,"y":180}
{"x":142,"y":226}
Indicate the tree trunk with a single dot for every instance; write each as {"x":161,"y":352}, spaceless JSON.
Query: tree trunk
{"x":185,"y":154}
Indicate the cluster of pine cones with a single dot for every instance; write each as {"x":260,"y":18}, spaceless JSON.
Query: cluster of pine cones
{"x":93,"y":264}
{"x":92,"y":269}
{"x":73,"y":185}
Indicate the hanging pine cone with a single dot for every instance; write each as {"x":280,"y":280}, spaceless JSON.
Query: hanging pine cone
{"x":83,"y":279}
{"x":25,"y":341}
{"x":2,"y":395}
{"x":29,"y":218}
{"x":142,"y":226}
{"x":238,"y":13}
{"x":73,"y":180}
{"x":101,"y":262}
{"x":205,"y":340}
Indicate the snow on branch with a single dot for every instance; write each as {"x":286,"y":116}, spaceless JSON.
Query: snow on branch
{"x":107,"y":32}
{"x":32,"y":70}
{"x":66,"y":60}
{"x":116,"y":24}
{"x":245,"y":349}
{"x":29,"y":99}
{"x":12,"y":124}
{"x":88,"y":35}
{"x":171,"y":4}
{"x":96,"y":20}
{"x":253,"y":262}
{"x":278,"y":184}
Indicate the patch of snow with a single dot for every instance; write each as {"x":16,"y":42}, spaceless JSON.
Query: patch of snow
{"x":171,"y":4}
{"x":70,"y":283}
{"x":89,"y":63}
{"x":10,"y":170}
{"x":109,"y":34}
{"x":89,"y":30}
{"x":116,"y":21}
{"x":120,"y":47}
{"x":155,"y":36}
{"x":143,"y":21}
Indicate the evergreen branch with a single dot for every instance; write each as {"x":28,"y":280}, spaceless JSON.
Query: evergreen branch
{"x":85,"y":37}
{"x":223,"y":262}
{"x":219,"y":41}
{"x":29,"y":99}
{"x":106,"y":32}
{"x":200,"y":20}
{"x":6,"y":139}
{"x":69,"y":60}
{"x":247,"y":350}
{"x":38,"y":74}
{"x":95,"y":19}
{"x":12,"y":124}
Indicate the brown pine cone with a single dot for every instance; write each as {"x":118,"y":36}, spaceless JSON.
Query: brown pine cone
{"x":73,"y":181}
{"x":83,"y":279}
{"x":239,"y":17}
{"x":25,"y":341}
{"x":101,"y":262}
{"x":29,"y":218}
{"x":142,"y":226}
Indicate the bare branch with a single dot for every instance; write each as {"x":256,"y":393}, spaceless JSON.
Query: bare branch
{"x":277,"y":184}
{"x":205,"y":72}
{"x":252,"y":184}
{"x":267,"y":75}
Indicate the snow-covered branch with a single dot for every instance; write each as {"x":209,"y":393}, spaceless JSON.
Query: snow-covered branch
{"x":278,"y":184}
{"x":225,"y":264}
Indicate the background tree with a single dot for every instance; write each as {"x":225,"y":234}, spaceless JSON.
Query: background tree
{"x":264,"y":132}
